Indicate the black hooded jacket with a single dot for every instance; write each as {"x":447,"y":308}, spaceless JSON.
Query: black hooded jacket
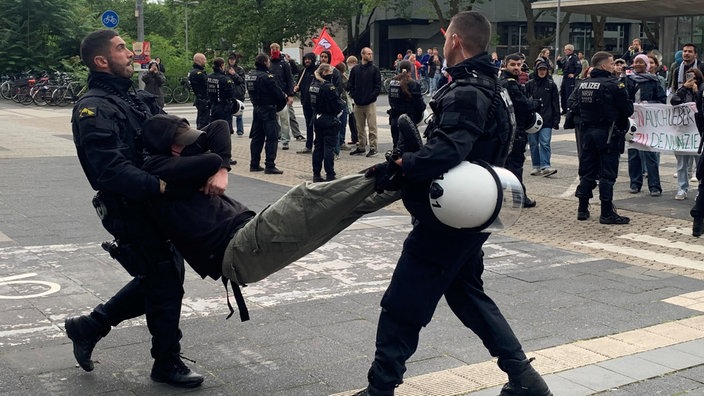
{"x":307,"y":77}
{"x":199,"y":225}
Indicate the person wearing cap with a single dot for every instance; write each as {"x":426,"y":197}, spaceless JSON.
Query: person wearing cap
{"x":571,"y":67}
{"x":217,"y":234}
{"x":543,"y":89}
{"x":106,"y":124}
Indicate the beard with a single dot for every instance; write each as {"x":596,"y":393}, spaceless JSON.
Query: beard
{"x":124,"y":71}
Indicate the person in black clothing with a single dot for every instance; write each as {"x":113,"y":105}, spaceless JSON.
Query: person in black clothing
{"x":268,"y":99}
{"x":570,"y":71}
{"x":107,"y":123}
{"x":634,"y":50}
{"x":543,"y":89}
{"x":525,"y":109}
{"x":221,"y":93}
{"x":603,"y":106}
{"x":364,"y":88}
{"x":236,"y":73}
{"x":470,"y":122}
{"x":327,"y":105}
{"x":405,"y":97}
{"x":198,"y":79}
{"x":302,"y":87}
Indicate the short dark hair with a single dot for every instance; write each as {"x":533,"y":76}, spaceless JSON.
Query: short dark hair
{"x":474,"y":29}
{"x":96,"y":44}
{"x":513,"y":57}
{"x":691,"y":45}
{"x":261,"y":59}
{"x":600,"y":57}
{"x":218,"y":63}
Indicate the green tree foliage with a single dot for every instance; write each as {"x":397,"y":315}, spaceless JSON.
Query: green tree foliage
{"x":35,"y":34}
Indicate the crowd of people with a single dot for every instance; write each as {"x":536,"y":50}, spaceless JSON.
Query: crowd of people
{"x":172,"y":203}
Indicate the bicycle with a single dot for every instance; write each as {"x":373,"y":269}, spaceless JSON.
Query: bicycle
{"x":182,"y":93}
{"x":168,"y":93}
{"x":68,"y":93}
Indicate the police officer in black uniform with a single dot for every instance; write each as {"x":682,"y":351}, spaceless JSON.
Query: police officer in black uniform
{"x":525,"y":108}
{"x":198,"y":79}
{"x":471,"y":122}
{"x":603,"y":106}
{"x":327,"y":105}
{"x":268,"y":99}
{"x":221,"y":93}
{"x":405,"y":97}
{"x":107,"y":123}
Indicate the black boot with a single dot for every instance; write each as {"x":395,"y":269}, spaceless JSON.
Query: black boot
{"x":609,"y":215}
{"x":523,"y":380}
{"x":174,"y":372}
{"x":697,"y":226}
{"x":85,"y":332}
{"x":583,"y":209}
{"x":409,"y":140}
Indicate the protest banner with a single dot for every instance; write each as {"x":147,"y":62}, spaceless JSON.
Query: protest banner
{"x":665,"y":128}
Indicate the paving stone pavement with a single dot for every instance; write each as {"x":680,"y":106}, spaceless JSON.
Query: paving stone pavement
{"x":604,"y":309}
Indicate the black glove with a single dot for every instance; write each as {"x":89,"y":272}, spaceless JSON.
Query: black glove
{"x":387,"y":176}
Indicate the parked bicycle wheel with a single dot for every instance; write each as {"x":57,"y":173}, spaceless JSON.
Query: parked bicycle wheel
{"x":168,"y":94}
{"x":42,"y":95}
{"x":181,"y":94}
{"x":58,"y":97}
{"x":6,"y":90}
{"x":24,"y":96}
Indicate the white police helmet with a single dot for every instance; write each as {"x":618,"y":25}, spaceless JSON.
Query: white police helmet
{"x":537,"y":124}
{"x":477,"y":196}
{"x":240,"y":108}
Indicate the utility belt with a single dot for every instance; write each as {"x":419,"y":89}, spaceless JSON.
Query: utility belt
{"x":138,"y":245}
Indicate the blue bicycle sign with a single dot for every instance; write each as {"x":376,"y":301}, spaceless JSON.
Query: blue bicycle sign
{"x":110,"y":19}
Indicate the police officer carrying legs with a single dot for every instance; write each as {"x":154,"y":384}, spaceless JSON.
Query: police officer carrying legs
{"x":198,"y":79}
{"x":107,"y":123}
{"x":327,"y":105}
{"x":221,"y":93}
{"x":471,"y":122}
{"x":267,"y":98}
{"x":603,"y":106}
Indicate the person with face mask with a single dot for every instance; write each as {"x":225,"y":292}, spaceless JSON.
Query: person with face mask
{"x":281,"y":69}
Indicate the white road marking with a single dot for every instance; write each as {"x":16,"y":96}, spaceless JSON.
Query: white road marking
{"x":644,"y":254}
{"x":686,"y":246}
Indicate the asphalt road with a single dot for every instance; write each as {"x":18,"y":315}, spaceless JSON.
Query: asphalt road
{"x":604,"y":309}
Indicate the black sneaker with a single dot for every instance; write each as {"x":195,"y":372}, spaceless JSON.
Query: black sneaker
{"x":613,"y":218}
{"x":299,"y":138}
{"x":582,"y":215}
{"x":174,"y":372}
{"x":85,"y":332}
{"x":371,"y":153}
{"x":305,"y":151}
{"x":256,"y":168}
{"x":273,"y":171}
{"x":697,"y":226}
{"x":409,"y":140}
{"x":318,"y":179}
{"x":357,"y":151}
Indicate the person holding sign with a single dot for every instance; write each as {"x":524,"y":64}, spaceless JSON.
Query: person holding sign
{"x":690,"y":91}
{"x":645,"y":88}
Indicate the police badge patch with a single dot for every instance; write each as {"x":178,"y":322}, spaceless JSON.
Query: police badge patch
{"x":86,"y":112}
